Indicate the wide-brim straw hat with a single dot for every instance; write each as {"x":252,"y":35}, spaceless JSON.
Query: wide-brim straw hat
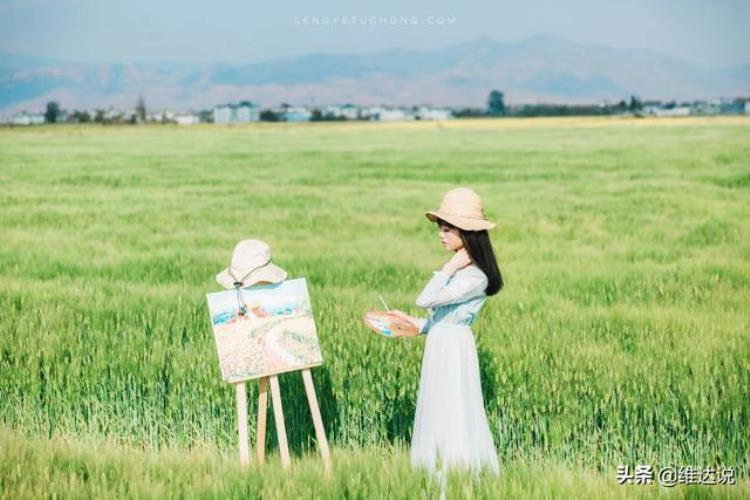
{"x":251,"y":263}
{"x":462,"y":207}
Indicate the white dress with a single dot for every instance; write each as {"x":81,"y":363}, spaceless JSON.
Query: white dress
{"x":450,"y":424}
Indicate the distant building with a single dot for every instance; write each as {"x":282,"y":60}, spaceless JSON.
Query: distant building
{"x":114,"y":115}
{"x":656,"y":108}
{"x":429,"y":113}
{"x":162,"y":116}
{"x":676,"y":111}
{"x":24,"y":118}
{"x":651,"y":107}
{"x":733,"y":107}
{"x":296,"y":114}
{"x":747,"y":107}
{"x":348,"y":111}
{"x":704,"y":108}
{"x":388,"y":114}
{"x":243,"y":112}
{"x":187,"y":119}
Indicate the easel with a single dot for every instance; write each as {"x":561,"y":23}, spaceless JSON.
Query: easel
{"x":279,"y":418}
{"x":278,"y":412}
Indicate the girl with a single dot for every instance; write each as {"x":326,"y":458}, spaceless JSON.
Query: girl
{"x":450,"y":424}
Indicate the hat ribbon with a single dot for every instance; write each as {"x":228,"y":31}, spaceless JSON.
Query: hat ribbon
{"x":238,"y":286}
{"x":238,"y":282}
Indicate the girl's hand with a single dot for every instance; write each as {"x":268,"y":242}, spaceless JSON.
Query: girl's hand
{"x":459,"y":260}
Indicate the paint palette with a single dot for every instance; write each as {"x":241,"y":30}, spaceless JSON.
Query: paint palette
{"x":389,"y":325}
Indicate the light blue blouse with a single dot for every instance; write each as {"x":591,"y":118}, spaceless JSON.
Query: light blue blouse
{"x":453,"y":299}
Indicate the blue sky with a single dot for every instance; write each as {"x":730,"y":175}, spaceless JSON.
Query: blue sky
{"x":711,"y":33}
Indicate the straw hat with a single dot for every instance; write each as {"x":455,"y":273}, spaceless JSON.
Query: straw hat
{"x":462,"y":207}
{"x":251,"y":263}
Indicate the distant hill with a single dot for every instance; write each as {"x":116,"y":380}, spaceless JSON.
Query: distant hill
{"x":541,"y":68}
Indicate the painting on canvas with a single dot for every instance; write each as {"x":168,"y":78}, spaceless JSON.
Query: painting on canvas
{"x":273,"y":333}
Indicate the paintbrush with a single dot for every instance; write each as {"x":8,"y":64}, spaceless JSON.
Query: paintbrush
{"x":384,"y":304}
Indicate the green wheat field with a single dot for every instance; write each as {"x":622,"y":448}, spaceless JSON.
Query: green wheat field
{"x":622,"y":335}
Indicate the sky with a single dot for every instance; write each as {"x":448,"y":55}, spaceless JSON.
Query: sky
{"x":711,"y":33}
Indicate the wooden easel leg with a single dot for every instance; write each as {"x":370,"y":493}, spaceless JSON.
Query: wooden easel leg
{"x":320,"y":432}
{"x":278,"y":415}
{"x":242,"y":423}
{"x":262,"y":413}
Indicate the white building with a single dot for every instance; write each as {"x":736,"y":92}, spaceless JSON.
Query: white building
{"x":24,"y":118}
{"x":162,"y":116}
{"x":348,"y":111}
{"x":187,"y":119}
{"x":747,"y":107}
{"x":223,"y":114}
{"x":676,"y":111}
{"x":704,"y":108}
{"x":660,"y":110}
{"x":297,"y":114}
{"x":243,"y":112}
{"x":429,"y":113}
{"x":384,"y":114}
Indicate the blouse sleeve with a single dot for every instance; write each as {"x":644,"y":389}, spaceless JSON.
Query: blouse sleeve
{"x":439,"y":291}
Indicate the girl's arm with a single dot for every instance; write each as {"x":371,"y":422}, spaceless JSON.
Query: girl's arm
{"x":439,"y":291}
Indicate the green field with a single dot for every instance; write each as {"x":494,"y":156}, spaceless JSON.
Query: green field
{"x":622,"y":334}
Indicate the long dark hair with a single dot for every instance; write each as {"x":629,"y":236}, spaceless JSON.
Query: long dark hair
{"x":479,"y":247}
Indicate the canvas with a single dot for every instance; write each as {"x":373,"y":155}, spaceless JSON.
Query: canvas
{"x":276,"y":333}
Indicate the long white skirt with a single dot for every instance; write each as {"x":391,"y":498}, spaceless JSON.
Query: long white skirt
{"x":450,"y":424}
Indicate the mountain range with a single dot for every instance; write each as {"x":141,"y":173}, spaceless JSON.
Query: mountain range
{"x":543,"y":68}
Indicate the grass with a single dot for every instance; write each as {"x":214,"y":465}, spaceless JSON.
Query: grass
{"x":101,"y":468}
{"x":621,"y":336}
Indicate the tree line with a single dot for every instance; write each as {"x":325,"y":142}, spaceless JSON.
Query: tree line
{"x":496,"y":107}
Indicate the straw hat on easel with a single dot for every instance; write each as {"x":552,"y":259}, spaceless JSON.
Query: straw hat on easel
{"x":251,"y":263}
